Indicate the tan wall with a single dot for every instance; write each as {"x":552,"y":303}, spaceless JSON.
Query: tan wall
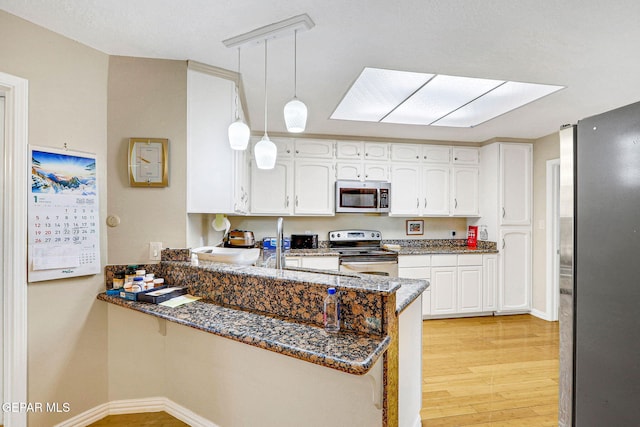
{"x":544,"y":149}
{"x":67,"y":341}
{"x":146,"y":98}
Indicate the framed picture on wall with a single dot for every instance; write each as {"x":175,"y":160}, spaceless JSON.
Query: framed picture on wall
{"x":415,"y":227}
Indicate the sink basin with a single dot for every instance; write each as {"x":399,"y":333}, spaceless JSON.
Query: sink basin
{"x":228,"y":255}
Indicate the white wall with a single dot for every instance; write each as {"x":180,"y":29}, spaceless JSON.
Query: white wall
{"x":544,"y":149}
{"x":67,"y":345}
{"x":391,"y":227}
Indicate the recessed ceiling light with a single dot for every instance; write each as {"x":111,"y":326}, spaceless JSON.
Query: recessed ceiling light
{"x":403,"y":97}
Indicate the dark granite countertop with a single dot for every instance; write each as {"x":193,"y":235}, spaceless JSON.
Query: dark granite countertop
{"x":348,"y":352}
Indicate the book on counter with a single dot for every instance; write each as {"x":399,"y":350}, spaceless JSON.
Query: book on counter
{"x":161,"y":295}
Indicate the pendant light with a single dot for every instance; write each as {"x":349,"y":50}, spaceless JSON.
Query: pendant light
{"x":295,"y":112}
{"x":265,"y":151}
{"x":239,"y":132}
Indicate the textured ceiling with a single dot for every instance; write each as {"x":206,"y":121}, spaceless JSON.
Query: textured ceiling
{"x":590,"y":46}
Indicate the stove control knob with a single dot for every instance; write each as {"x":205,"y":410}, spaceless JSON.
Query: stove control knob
{"x":377,"y":234}
{"x":338,"y":234}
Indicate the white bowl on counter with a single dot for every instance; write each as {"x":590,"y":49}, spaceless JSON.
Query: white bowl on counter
{"x":242,"y":256}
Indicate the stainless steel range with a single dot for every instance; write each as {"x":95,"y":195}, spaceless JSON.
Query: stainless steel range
{"x":360,"y":252}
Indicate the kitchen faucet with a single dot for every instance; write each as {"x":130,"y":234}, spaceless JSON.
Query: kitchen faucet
{"x":279,"y":240}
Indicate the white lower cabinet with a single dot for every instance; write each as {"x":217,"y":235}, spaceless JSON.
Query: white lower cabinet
{"x":417,"y":267}
{"x":515,"y":270}
{"x":459,"y":284}
{"x":316,"y":262}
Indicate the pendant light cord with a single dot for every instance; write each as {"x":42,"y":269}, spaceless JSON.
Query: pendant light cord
{"x":295,"y":62}
{"x":265,"y":87}
{"x":238,"y":86}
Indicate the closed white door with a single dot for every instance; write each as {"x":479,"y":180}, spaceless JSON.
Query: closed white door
{"x":436,"y":154}
{"x":314,"y":187}
{"x":435,"y":184}
{"x":443,"y":290}
{"x":317,"y":148}
{"x":466,"y":156}
{"x":376,"y":171}
{"x":465,"y":184}
{"x":489,"y":282}
{"x":376,"y":151}
{"x":515,"y":184}
{"x":349,"y":170}
{"x":351,"y":150}
{"x":272,"y":190}
{"x":405,"y":180}
{"x":515,"y":266}
{"x":469,"y":289}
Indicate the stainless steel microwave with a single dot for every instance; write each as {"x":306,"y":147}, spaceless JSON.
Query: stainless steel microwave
{"x":362,"y":196}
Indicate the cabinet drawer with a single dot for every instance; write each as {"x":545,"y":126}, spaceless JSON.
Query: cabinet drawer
{"x":444,"y":260}
{"x":474,"y":259}
{"x":414,"y":272}
{"x":414,"y":261}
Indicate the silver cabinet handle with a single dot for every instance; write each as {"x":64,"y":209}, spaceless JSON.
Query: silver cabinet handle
{"x":296,"y":201}
{"x":456,"y":203}
{"x":288,"y":151}
{"x":503,"y":212}
{"x":366,"y":176}
{"x":425,"y":202}
{"x":502,"y":243}
{"x":287,"y":205}
{"x":366,"y":154}
{"x":417,"y":202}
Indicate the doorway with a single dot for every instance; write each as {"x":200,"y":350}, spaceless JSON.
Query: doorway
{"x":13,"y":259}
{"x":553,"y":240}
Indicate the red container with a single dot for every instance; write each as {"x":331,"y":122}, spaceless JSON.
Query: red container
{"x":472,"y":237}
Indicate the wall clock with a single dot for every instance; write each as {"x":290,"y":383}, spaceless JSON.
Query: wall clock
{"x":148,"y":162}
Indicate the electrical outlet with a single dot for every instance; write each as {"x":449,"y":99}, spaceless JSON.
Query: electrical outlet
{"x":154,"y":250}
{"x":452,"y":233}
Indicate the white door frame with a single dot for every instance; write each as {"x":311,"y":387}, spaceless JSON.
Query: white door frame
{"x":14,"y":245}
{"x":553,"y":240}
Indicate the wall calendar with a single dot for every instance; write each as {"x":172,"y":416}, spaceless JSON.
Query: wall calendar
{"x":64,"y":225}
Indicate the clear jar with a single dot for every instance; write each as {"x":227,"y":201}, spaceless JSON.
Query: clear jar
{"x":331,"y":315}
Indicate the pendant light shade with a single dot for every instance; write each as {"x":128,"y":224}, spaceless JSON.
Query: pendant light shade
{"x":295,"y":112}
{"x":265,"y":151}
{"x":239,"y":132}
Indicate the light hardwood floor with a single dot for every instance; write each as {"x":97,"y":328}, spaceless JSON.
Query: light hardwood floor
{"x":157,"y":419}
{"x":490,"y":371}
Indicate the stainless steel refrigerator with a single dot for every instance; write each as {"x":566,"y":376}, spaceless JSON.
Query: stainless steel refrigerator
{"x":600,"y":270}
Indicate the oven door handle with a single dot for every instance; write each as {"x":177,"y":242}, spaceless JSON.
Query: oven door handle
{"x":368,"y":262}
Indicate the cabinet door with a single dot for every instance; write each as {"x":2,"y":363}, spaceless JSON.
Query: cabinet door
{"x":515,"y":268}
{"x":435,"y":190}
{"x":421,"y":272}
{"x":405,"y":189}
{"x":469,"y":289}
{"x":376,"y":151}
{"x":210,"y":173}
{"x":466,"y":156}
{"x":241,"y":183}
{"x":320,"y":262}
{"x":349,"y":170}
{"x":284,"y":146}
{"x":349,"y":150}
{"x":443,"y":290}
{"x":406,"y":152}
{"x":515,"y":184}
{"x":436,"y":154}
{"x":314,"y":187}
{"x":314,"y":148}
{"x":376,"y":171}
{"x":271,"y":190}
{"x":465,"y":185}
{"x":489,"y":282}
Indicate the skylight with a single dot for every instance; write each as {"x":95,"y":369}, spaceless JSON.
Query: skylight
{"x":391,"y":96}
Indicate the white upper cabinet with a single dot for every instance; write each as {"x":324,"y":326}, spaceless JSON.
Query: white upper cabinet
{"x":515,"y":184}
{"x":314,"y":148}
{"x":216,"y":174}
{"x":272,"y":189}
{"x":406,"y":152}
{"x":435,"y":190}
{"x":376,"y":171}
{"x":350,"y":170}
{"x":314,"y":187}
{"x":466,"y":156}
{"x":465,"y":187}
{"x":436,"y":154}
{"x":405,"y":189}
{"x":376,"y":151}
{"x":352,"y":150}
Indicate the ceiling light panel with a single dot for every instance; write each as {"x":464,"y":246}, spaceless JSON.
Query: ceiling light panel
{"x":503,"y":99}
{"x":376,"y":92}
{"x":438,"y":98}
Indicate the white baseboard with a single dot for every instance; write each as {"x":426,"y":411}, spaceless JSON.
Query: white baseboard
{"x":136,"y":406}
{"x":541,"y":314}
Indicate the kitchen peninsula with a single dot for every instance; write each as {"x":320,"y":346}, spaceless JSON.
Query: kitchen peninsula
{"x":183,"y":351}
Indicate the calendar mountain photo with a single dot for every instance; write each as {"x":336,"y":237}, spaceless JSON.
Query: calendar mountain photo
{"x":62,"y":173}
